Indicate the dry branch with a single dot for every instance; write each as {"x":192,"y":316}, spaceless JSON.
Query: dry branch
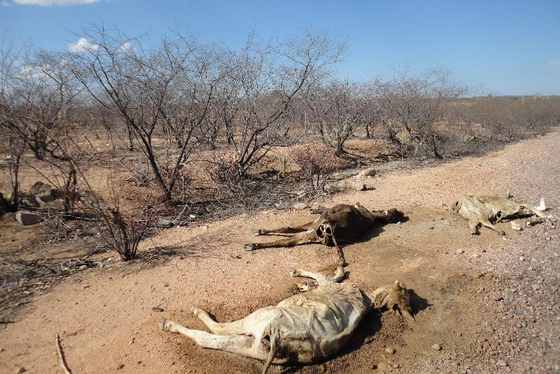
{"x":61,"y":356}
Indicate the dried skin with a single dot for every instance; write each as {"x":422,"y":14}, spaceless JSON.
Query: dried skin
{"x":304,"y":328}
{"x":339,"y":224}
{"x":489,"y":210}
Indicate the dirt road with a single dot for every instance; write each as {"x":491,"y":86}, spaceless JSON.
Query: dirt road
{"x":490,"y":303}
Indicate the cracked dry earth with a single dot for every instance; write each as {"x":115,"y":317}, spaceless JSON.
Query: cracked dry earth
{"x":484,"y":304}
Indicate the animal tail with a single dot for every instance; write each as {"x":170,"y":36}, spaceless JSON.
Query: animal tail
{"x":273,"y":350}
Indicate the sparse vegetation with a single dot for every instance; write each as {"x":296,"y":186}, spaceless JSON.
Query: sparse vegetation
{"x":199,"y":127}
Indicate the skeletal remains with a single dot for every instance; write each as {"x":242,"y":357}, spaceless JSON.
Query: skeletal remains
{"x":312,"y":326}
{"x":341,"y":223}
{"x":304,"y":328}
{"x":489,"y":210}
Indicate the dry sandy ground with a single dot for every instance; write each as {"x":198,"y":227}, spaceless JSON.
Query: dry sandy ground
{"x":490,"y":303}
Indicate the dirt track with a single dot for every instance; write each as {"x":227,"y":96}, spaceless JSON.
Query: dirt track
{"x":491,"y":304}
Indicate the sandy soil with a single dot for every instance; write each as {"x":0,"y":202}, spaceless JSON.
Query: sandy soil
{"x":491,"y":303}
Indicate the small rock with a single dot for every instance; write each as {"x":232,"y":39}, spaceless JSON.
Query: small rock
{"x":21,"y":370}
{"x":367,"y":173}
{"x":501,"y":363}
{"x":521,"y":258}
{"x":358,"y":185}
{"x":390,"y":350}
{"x":85,"y":286}
{"x":164,"y":223}
{"x":157,"y":309}
{"x":459,"y":251}
{"x":516,"y":226}
{"x":117,"y":366}
{"x":436,"y":347}
{"x":28,"y":218}
{"x":83,"y":267}
{"x":299,"y":206}
{"x":477,"y":275}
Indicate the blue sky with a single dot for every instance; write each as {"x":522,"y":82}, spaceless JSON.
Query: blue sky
{"x":505,"y":47}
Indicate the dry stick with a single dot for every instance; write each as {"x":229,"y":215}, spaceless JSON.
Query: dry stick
{"x":61,"y":356}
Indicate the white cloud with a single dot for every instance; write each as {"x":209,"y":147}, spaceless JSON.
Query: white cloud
{"x":82,"y":45}
{"x":30,"y":72}
{"x":554,"y":63}
{"x":126,"y":47}
{"x":5,"y":3}
{"x":55,"y":2}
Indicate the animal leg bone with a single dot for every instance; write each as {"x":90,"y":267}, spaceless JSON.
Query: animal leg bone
{"x":536,"y":211}
{"x":284,"y":230}
{"x":486,"y":223}
{"x":299,"y":238}
{"x":308,"y":274}
{"x":240,"y":344}
{"x":231,"y":328}
{"x":474,"y":225}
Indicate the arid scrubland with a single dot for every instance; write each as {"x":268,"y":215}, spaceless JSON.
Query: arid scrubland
{"x":129,"y":135}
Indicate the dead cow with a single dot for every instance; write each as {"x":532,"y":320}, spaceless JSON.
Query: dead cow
{"x":489,"y":210}
{"x":339,"y":224}
{"x":305,"y":328}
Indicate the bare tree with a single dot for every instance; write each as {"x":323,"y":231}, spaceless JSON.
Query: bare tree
{"x":121,"y":226}
{"x":261,"y":83}
{"x":338,"y":108}
{"x":36,"y":93}
{"x":412,"y":106}
{"x":13,"y":147}
{"x":161,"y":91}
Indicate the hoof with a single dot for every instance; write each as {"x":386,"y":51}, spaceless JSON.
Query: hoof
{"x":257,"y":232}
{"x":250,"y":247}
{"x":161,"y":323}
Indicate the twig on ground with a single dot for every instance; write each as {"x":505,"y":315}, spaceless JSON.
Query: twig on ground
{"x":61,"y":356}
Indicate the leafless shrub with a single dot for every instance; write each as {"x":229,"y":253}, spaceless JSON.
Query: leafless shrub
{"x":37,"y":93}
{"x":317,"y":163}
{"x":162,"y":92}
{"x":223,"y":176}
{"x":56,"y":227}
{"x":412,"y":107}
{"x":123,"y":229}
{"x":120,"y":226}
{"x":338,"y":108}
{"x":139,"y":175}
{"x":259,"y":87}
